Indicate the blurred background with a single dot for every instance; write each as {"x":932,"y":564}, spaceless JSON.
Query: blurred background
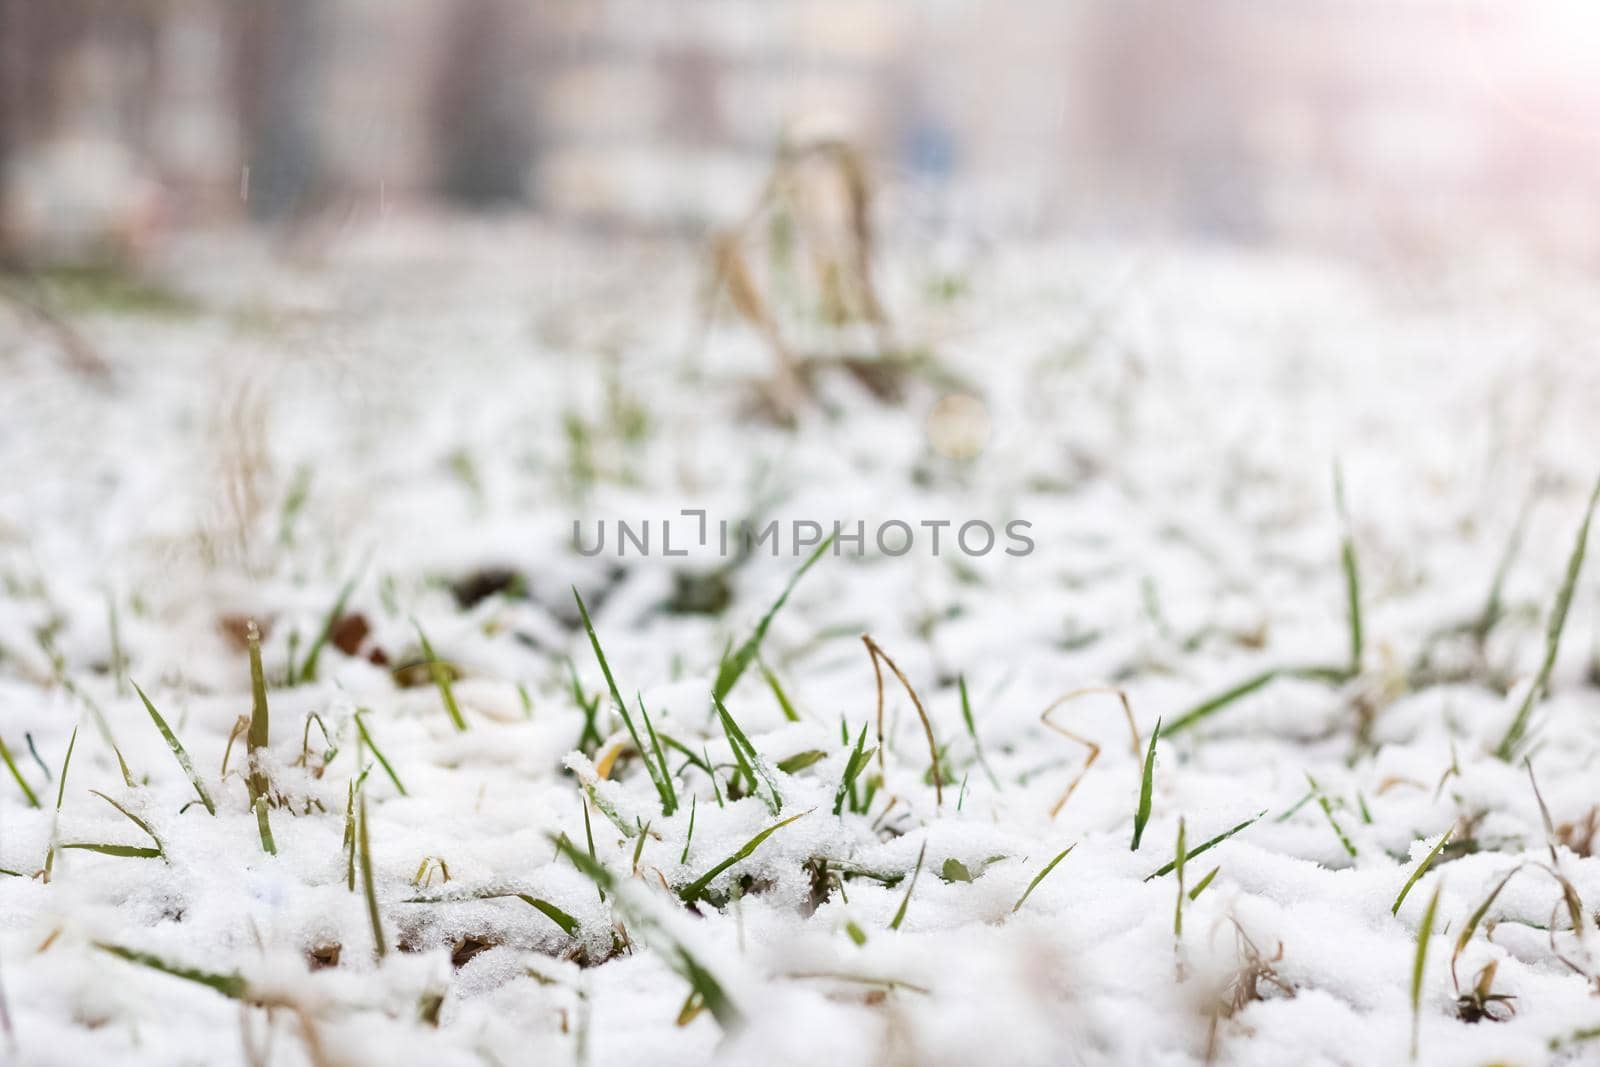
{"x":1367,"y":127}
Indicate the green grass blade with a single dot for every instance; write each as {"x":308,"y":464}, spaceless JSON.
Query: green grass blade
{"x":61,"y":794}
{"x":1141,"y":815}
{"x":1200,"y":887}
{"x":178,"y":751}
{"x":1206,"y":847}
{"x":441,"y":680}
{"x":366,"y":738}
{"x":229,"y":985}
{"x":368,"y":889}
{"x":257,"y":739}
{"x":22,"y":783}
{"x":669,"y":797}
{"x":1179,"y":860}
{"x":693,"y":891}
{"x":737,"y":738}
{"x":911,"y":885}
{"x":1327,"y":812}
{"x":1476,"y":918}
{"x":1557,"y":623}
{"x":160,"y":849}
{"x":852,"y":769}
{"x":777,"y":692}
{"x":972,"y":732}
{"x":1211,"y":705}
{"x":1026,"y":893}
{"x":1419,"y":964}
{"x":308,"y":666}
{"x":1352,"y":579}
{"x":733,"y":666}
{"x":1421,"y":869}
{"x":568,"y":924}
{"x":663,"y":785}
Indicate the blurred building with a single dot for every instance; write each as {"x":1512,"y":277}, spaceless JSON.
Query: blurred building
{"x":1405,"y":122}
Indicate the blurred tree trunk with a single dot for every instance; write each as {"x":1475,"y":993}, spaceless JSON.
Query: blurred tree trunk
{"x":275,"y":96}
{"x":480,"y":112}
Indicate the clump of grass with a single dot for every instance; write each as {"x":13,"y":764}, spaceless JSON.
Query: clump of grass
{"x":1557,"y":623}
{"x":911,"y":885}
{"x":733,"y":666}
{"x":178,"y":751}
{"x":660,"y":774}
{"x":877,"y":654}
{"x":854,"y":765}
{"x":696,"y":889}
{"x":1043,"y":873}
{"x":1421,"y":869}
{"x":440,"y":673}
{"x":674,"y":953}
{"x":1141,"y":814}
{"x":1418,"y":965}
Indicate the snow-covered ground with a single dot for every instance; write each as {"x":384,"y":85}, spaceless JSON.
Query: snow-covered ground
{"x":424,"y":416}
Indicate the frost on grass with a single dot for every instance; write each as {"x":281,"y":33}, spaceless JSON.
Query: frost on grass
{"x":1328,"y":535}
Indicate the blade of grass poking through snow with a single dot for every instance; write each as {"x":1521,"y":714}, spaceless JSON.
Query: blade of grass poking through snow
{"x":1422,"y":869}
{"x":178,"y":751}
{"x":350,"y":837}
{"x":1327,"y":811}
{"x":663,"y":784}
{"x":1419,"y":964}
{"x":368,"y":890}
{"x":749,"y":759}
{"x":1213,"y":704}
{"x":674,"y":952}
{"x":1206,"y":847}
{"x":257,"y":740}
{"x":22,"y":783}
{"x":734,"y":665}
{"x":1179,"y":860}
{"x":1200,"y":887}
{"x":124,"y":851}
{"x":1472,"y":923}
{"x":777,"y":692}
{"x":232,"y":986}
{"x":972,"y":732}
{"x":61,"y":795}
{"x":440,"y":673}
{"x":1141,"y":814}
{"x":911,"y":885}
{"x":1028,"y":892}
{"x":1352,"y":580}
{"x":568,"y":924}
{"x":670,"y":801}
{"x":366,"y":738}
{"x":308,"y":666}
{"x":693,"y":891}
{"x":1558,"y":621}
{"x":852,"y":769}
{"x":694,"y":803}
